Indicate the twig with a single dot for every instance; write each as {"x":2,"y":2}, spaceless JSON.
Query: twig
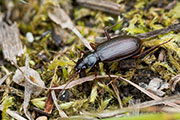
{"x":117,"y":94}
{"x":174,"y":27}
{"x":102,"y":5}
{"x":148,"y":35}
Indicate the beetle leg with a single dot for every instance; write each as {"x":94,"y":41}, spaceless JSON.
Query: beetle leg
{"x":93,"y":45}
{"x":82,"y":74}
{"x":106,"y":30}
{"x":72,"y":60}
{"x":85,"y":86}
{"x":113,"y":83}
{"x":105,"y":70}
{"x":152,"y":48}
{"x":107,"y":33}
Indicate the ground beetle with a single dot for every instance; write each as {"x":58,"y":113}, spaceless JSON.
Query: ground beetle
{"x":118,"y":48}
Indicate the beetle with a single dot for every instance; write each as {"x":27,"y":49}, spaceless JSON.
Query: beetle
{"x":118,"y":48}
{"x":114,"y":49}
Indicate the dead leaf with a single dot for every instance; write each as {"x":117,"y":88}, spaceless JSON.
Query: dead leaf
{"x":59,"y":16}
{"x":156,"y":86}
{"x":10,"y":42}
{"x":26,"y":79}
{"x":49,"y":104}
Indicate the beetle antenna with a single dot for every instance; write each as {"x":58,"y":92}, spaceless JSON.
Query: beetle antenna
{"x":107,"y":33}
{"x":74,"y":61}
{"x":152,"y":48}
{"x":70,"y":58}
{"x":76,"y":73}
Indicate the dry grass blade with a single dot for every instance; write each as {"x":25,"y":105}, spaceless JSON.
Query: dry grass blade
{"x":80,"y":81}
{"x":171,"y":5}
{"x":170,"y":109}
{"x":174,"y":80}
{"x":61,"y":113}
{"x":4,"y":78}
{"x":151,"y":95}
{"x":9,"y":39}
{"x":13,"y":114}
{"x":59,"y":16}
{"x":117,"y":94}
{"x":90,"y":78}
{"x":110,"y":113}
{"x":27,"y":97}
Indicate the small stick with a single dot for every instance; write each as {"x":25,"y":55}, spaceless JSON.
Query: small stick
{"x":102,"y":5}
{"x":148,"y":35}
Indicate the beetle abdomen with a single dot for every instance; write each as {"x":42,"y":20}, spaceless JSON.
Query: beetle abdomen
{"x":118,"y":48}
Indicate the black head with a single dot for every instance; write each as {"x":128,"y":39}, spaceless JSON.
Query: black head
{"x":87,"y":62}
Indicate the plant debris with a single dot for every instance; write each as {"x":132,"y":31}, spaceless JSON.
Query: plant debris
{"x":156,"y":86}
{"x":102,"y":5}
{"x":10,"y":42}
{"x":4,"y":78}
{"x":63,"y":19}
{"x":20,"y":79}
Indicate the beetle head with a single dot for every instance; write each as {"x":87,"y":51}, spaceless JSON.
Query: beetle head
{"x":87,"y":62}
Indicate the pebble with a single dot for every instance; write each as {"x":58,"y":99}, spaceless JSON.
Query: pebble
{"x":29,"y":37}
{"x":42,"y":118}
